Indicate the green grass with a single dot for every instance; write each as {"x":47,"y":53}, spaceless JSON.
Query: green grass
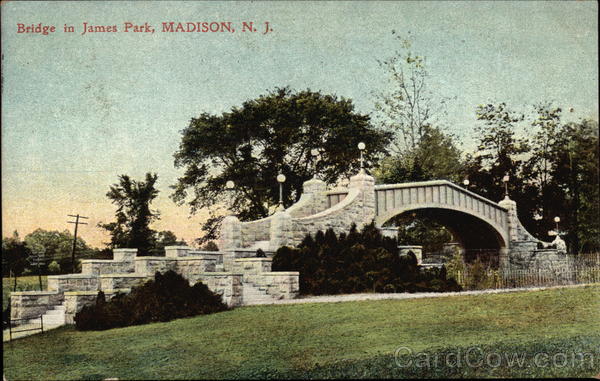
{"x":351,"y":339}
{"x":24,"y":283}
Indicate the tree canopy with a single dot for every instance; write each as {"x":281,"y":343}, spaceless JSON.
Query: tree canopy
{"x":271,"y":134}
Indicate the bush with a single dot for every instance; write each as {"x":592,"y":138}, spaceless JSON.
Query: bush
{"x":357,"y":262}
{"x":169,"y":296}
{"x":260,"y":254}
{"x":54,"y":267}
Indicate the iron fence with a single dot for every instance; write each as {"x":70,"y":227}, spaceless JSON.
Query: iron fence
{"x":11,"y":329}
{"x":492,"y":279}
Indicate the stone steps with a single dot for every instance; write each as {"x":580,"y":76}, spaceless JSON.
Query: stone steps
{"x":55,"y":316}
{"x":252,"y":294}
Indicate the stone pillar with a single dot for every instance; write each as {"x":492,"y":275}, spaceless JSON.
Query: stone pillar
{"x":366,"y":185}
{"x":124,"y":255}
{"x":417,"y":251}
{"x":177,"y":251}
{"x":314,"y":189}
{"x":513,"y":219}
{"x":281,"y":230}
{"x":231,"y":234}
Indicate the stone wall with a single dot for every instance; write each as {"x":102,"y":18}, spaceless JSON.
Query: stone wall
{"x":75,"y":300}
{"x":226,"y":284}
{"x":72,"y":282}
{"x":32,"y":304}
{"x":150,"y":265}
{"x":119,"y":281}
{"x":105,"y":266}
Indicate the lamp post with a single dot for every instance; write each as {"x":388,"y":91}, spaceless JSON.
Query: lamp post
{"x":315,"y":154}
{"x":505,"y":180}
{"x":556,"y":221}
{"x":361,"y":147}
{"x":229,"y":185}
{"x":280,"y":180}
{"x":466,"y":183}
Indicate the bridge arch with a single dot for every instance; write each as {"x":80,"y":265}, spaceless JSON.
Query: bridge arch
{"x":471,"y":230}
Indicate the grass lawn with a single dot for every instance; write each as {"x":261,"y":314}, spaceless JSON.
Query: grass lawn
{"x":24,"y":283}
{"x":351,"y":339}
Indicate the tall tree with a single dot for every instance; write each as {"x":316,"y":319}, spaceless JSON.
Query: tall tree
{"x":499,"y":152}
{"x":134,"y":215}
{"x":435,"y":157}
{"x":272,"y":134}
{"x":576,"y":172}
{"x":408,"y":108}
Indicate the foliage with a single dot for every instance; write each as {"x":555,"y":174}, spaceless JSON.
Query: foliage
{"x":210,"y":246}
{"x":415,"y":229}
{"x":53,"y":245}
{"x":133,"y":216}
{"x":408,"y":110}
{"x":53,"y":267}
{"x":434,"y":157}
{"x":163,"y":239}
{"x":357,"y":262}
{"x":260,"y":254}
{"x":292,"y":339}
{"x":169,"y":296}
{"x":271,"y":134}
{"x":15,"y":255}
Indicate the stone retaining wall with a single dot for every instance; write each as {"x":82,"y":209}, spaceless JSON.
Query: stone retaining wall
{"x":150,"y":265}
{"x":228,"y":285}
{"x":32,"y":304}
{"x":72,"y":282}
{"x":121,"y":281}
{"x":106,"y":266}
{"x":76,"y":300}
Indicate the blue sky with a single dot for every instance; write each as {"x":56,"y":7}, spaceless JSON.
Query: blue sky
{"x":79,"y":110}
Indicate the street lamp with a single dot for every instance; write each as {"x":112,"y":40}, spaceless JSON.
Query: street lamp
{"x":229,"y":185}
{"x":315,"y":154}
{"x":361,"y":147}
{"x":466,"y":183}
{"x":556,"y":220}
{"x":280,"y":180}
{"x":505,"y":180}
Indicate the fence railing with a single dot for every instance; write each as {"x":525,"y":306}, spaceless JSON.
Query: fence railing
{"x":492,"y":279}
{"x":11,"y":328}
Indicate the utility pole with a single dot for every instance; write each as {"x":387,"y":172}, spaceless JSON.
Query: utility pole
{"x":77,"y":223}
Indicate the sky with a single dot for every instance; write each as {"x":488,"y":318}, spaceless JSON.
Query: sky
{"x":79,"y":110}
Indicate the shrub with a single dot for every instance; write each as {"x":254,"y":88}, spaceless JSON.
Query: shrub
{"x":169,"y":296}
{"x":260,"y":254}
{"x":355,"y":262}
{"x":54,"y":267}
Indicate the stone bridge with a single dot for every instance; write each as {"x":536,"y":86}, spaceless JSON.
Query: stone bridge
{"x":474,"y":221}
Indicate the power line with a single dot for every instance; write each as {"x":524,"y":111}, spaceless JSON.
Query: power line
{"x":77,"y":223}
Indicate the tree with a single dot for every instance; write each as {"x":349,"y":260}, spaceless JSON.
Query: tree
{"x":576,"y":173}
{"x":409,"y":108}
{"x":272,"y":134}
{"x":134,"y":216}
{"x":15,"y":256}
{"x":435,"y":157}
{"x":499,"y":151}
{"x":55,"y":246}
{"x":165,"y":238}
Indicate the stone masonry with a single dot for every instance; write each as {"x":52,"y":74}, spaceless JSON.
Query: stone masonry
{"x":236,"y":275}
